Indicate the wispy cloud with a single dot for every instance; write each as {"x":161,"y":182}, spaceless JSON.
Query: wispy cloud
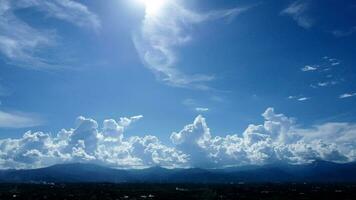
{"x":344,"y":33}
{"x":201,"y":109}
{"x":189,"y":102}
{"x":303,"y":99}
{"x":347,"y":95}
{"x":324,"y":84}
{"x":22,"y":45}
{"x":298,"y":11}
{"x":194,"y":105}
{"x":299,"y":98}
{"x":19,"y":120}
{"x":164,"y":31}
{"x":328,"y":69}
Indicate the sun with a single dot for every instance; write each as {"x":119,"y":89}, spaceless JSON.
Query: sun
{"x":153,"y":6}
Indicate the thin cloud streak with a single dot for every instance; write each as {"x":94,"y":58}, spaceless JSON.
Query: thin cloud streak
{"x":19,"y":120}
{"x":347,"y":95}
{"x":344,"y":33}
{"x":201,"y":109}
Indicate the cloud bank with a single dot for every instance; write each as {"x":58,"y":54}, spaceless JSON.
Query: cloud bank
{"x":278,"y":139}
{"x":167,"y":29}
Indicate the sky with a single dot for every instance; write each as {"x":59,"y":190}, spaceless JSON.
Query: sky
{"x":177,"y":83}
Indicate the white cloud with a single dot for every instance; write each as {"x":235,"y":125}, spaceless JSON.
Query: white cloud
{"x":335,"y":63}
{"x":23,"y":44}
{"x":18,"y":120}
{"x":298,"y":98}
{"x":67,"y":10}
{"x":307,"y":68}
{"x":88,"y":143}
{"x":278,"y":139}
{"x":324,"y":84}
{"x":297,"y":10}
{"x":326,"y":68}
{"x":347,"y":95}
{"x":201,"y":109}
{"x":194,"y":105}
{"x":164,"y":31}
{"x":303,"y":98}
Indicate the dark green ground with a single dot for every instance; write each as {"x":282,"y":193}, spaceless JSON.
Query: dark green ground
{"x":177,"y":191}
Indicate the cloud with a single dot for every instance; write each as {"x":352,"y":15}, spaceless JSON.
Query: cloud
{"x":298,"y":11}
{"x":344,"y":33}
{"x":194,"y":140}
{"x":23,"y":45}
{"x":299,"y":98}
{"x":307,"y":68}
{"x":278,"y":139}
{"x":164,"y":31}
{"x":329,"y":69}
{"x":303,"y":98}
{"x":87,"y":142}
{"x":18,"y":120}
{"x":347,"y":95}
{"x":67,"y":10}
{"x":324,"y":84}
{"x":201,"y":109}
{"x":194,"y":105}
{"x":335,"y":63}
{"x":189,"y":102}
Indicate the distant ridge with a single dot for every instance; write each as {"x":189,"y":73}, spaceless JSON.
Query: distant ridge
{"x":318,"y":171}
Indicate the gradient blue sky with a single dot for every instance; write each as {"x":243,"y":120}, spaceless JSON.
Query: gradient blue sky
{"x":237,"y":59}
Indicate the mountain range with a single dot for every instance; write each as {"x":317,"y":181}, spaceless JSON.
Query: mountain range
{"x":318,"y":171}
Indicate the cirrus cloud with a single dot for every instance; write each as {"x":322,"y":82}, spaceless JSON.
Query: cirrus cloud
{"x":164,"y":31}
{"x":22,"y":44}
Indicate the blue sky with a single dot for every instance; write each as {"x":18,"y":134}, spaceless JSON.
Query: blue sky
{"x":173,"y":60}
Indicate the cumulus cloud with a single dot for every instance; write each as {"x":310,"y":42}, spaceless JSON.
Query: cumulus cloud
{"x":278,"y":139}
{"x":298,"y":11}
{"x":22,"y":44}
{"x":167,"y":29}
{"x":87,"y":142}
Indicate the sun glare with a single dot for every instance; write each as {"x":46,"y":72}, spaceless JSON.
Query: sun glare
{"x":153,"y":6}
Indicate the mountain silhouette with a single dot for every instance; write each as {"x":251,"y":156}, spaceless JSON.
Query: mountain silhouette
{"x":318,"y":171}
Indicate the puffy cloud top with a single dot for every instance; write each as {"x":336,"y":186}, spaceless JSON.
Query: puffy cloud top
{"x":278,"y":139}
